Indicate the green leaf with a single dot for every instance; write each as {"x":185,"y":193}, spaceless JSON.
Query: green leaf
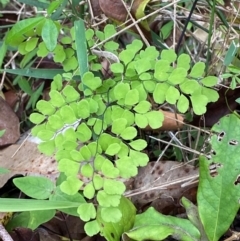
{"x":84,"y":133}
{"x":162,"y":68}
{"x":209,"y":81}
{"x":55,"y":121}
{"x":108,"y":200}
{"x":223,"y":206}
{"x":169,"y":55}
{"x":211,"y":94}
{"x":108,"y":169}
{"x":109,"y":31}
{"x":25,"y":86}
{"x":35,"y":187}
{"x":197,"y":70}
{"x":113,"y":187}
{"x":111,"y":214}
{"x":89,"y":191}
{"x":45,"y":135}
{"x":50,"y":34}
{"x":87,"y":211}
{"x":97,"y":182}
{"x":118,"y":125}
{"x":117,"y":68}
{"x":199,"y":103}
{"x":152,"y":225}
{"x":91,"y":228}
{"x":83,"y":109}
{"x":113,"y":149}
{"x":183,"y":61}
{"x":90,"y":81}
{"x":159,"y":94}
{"x":189,"y":86}
{"x":67,"y":114}
{"x":155,"y":119}
{"x":113,"y":231}
{"x":142,"y":107}
{"x":31,"y":44}
{"x":142,"y":65}
{"x":120,"y":90}
{"x":139,"y":158}
{"x":141,"y":120}
{"x":138,"y":145}
{"x":87,"y":170}
{"x":132,"y":97}
{"x":172,"y":95}
{"x":126,"y":56}
{"x":45,"y":107}
{"x":71,"y":186}
{"x":183,"y":104}
{"x":177,"y":76}
{"x":129,"y":133}
{"x":36,"y":118}
{"x":56,"y":98}
{"x":126,"y":167}
{"x":69,"y":167}
{"x":16,"y":35}
{"x":47,"y":147}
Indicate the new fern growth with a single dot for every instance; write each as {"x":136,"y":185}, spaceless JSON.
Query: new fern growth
{"x":92,"y":129}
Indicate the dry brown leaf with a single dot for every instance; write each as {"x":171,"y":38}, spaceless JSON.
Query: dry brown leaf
{"x":27,"y":161}
{"x":8,"y":122}
{"x":163,"y":179}
{"x":114,"y":9}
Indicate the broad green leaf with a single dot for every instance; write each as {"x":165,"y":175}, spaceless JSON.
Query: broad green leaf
{"x":35,"y":187}
{"x":71,"y":186}
{"x":42,"y":50}
{"x":145,"y":76}
{"x":189,"y":86}
{"x":199,"y":103}
{"x":83,"y":132}
{"x":155,"y":119}
{"x":109,"y":31}
{"x":197,"y":70}
{"x":149,"y":53}
{"x":129,"y":133}
{"x":183,"y":104}
{"x":159,"y":94}
{"x":111,"y":46}
{"x":113,"y":231}
{"x":136,"y":45}
{"x":97,"y":182}
{"x":87,"y":211}
{"x":111,"y":214}
{"x":25,"y":86}
{"x":126,"y":56}
{"x":209,"y":81}
{"x":220,"y":192}
{"x":172,"y":95}
{"x":16,"y":35}
{"x":113,"y":186}
{"x":50,"y":34}
{"x":177,"y":76}
{"x":169,"y":55}
{"x":152,"y":225}
{"x":142,"y":66}
{"x":31,"y":44}
{"x":142,"y":107}
{"x":132,"y":97}
{"x":22,"y":205}
{"x":36,"y":118}
{"x":85,"y":152}
{"x":70,"y":93}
